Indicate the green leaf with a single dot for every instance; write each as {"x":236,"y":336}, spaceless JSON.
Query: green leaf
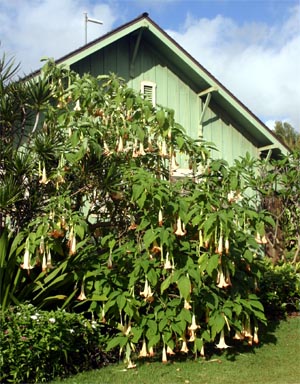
{"x":153,"y":340}
{"x":165,"y":284}
{"x":184,"y":286}
{"x":118,"y":341}
{"x":212,"y":264}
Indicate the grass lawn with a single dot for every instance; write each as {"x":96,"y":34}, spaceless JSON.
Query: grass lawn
{"x":274,"y":361}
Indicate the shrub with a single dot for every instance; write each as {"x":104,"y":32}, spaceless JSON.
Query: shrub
{"x":279,"y":289}
{"x":37,"y":346}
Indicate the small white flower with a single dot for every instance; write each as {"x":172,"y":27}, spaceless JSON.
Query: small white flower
{"x":72,"y":331}
{"x":34,"y":317}
{"x":52,"y":320}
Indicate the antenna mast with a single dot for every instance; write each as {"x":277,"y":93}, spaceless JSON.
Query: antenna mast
{"x":86,"y":20}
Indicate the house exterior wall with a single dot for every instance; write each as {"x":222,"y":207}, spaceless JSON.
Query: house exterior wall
{"x":172,"y":91}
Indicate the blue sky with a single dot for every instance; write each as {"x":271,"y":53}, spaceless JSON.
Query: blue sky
{"x":251,"y":46}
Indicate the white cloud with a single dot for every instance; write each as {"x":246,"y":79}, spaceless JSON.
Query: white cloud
{"x":257,"y":62}
{"x":31,"y":29}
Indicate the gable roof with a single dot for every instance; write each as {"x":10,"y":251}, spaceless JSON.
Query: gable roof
{"x":201,"y":79}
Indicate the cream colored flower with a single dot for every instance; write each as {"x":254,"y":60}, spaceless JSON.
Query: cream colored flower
{"x":184,"y":347}
{"x":147,"y":292}
{"x":227,"y":245}
{"x":221,"y":280}
{"x":164,"y":358}
{"x":77,"y":106}
{"x":238,"y":336}
{"x":170,"y":351}
{"x":120,"y":146}
{"x":143,"y":351}
{"x":44,"y":179}
{"x":26,"y":260}
{"x":81,"y":296}
{"x":151,"y":352}
{"x":187,"y":305}
{"x":141,"y":150}
{"x":44,"y":263}
{"x":220,"y":245}
{"x":255,"y":336}
{"x":49,"y":260}
{"x":160,"y":218}
{"x":180,"y":230}
{"x":202,"y":351}
{"x":130,"y":364}
{"x":222,"y":344}
{"x":106,"y":151}
{"x":164,"y":149}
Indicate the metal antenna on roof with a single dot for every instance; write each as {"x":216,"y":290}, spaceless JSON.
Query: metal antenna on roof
{"x":86,"y":20}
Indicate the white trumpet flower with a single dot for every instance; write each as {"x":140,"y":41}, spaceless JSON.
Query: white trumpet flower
{"x":222,"y":344}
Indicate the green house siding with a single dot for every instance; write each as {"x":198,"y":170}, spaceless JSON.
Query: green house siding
{"x":141,"y":51}
{"x":230,"y":142}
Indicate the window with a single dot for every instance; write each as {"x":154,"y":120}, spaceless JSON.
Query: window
{"x":148,"y":89}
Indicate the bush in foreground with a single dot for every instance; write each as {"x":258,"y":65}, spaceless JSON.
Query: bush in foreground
{"x":37,"y":346}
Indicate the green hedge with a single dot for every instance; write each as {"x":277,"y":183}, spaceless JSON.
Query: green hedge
{"x":37,"y":346}
{"x":279,"y":289}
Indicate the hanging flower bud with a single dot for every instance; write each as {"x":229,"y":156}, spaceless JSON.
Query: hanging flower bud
{"x":226,"y":246}
{"x":109,"y":261}
{"x":255,"y":336}
{"x":72,"y":242}
{"x":220,"y":245}
{"x":141,"y":150}
{"x":49,"y":260}
{"x":164,"y":150}
{"x":150,"y":147}
{"x":120,"y":146}
{"x":42,"y":246}
{"x":151,"y":352}
{"x":202,"y":352}
{"x":44,"y":263}
{"x":164,"y":355}
{"x":81,"y":296}
{"x":106,"y":151}
{"x":200,"y":238}
{"x":160,"y":218}
{"x":44,"y":179}
{"x":167,"y":264}
{"x":26,"y":261}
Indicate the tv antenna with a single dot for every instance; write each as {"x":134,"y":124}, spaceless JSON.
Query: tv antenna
{"x":86,"y":20}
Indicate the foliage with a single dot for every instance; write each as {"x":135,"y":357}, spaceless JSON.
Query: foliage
{"x":280,"y":289}
{"x":288,"y":134}
{"x":118,"y":212}
{"x":277,"y":182}
{"x":37,"y":346}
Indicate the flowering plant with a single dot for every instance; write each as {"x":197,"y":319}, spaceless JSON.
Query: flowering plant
{"x":37,"y":345}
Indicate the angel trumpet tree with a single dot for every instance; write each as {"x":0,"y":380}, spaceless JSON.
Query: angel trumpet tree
{"x":149,"y":247}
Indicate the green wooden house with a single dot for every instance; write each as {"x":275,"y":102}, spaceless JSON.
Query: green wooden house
{"x":152,"y":62}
